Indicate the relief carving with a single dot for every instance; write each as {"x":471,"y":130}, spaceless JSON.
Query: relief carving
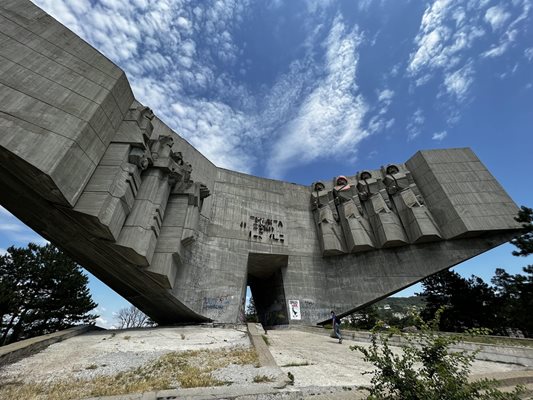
{"x":374,"y":209}
{"x":385,"y":223}
{"x":416,"y":218}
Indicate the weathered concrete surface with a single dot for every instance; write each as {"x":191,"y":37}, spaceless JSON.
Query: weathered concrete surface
{"x":111,"y":352}
{"x":96,"y":173}
{"x":16,"y":351}
{"x":332,"y":364}
{"x":265,"y":357}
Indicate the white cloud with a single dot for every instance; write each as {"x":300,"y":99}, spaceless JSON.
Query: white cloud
{"x":496,"y":16}
{"x":3,"y":252}
{"x":496,"y":51}
{"x":439,"y":135}
{"x":104,"y":323}
{"x":529,"y":53}
{"x":11,"y":227}
{"x":330,"y":119}
{"x":386,"y":95}
{"x":458,"y":82}
{"x":414,"y":126}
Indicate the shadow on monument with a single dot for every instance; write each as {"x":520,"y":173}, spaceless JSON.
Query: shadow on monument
{"x":265,"y":279}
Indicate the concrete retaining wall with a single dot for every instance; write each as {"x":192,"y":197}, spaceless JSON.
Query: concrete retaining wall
{"x":25,"y":348}
{"x":520,"y":355}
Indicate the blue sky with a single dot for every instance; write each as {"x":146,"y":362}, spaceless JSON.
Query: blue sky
{"x":307,"y":90}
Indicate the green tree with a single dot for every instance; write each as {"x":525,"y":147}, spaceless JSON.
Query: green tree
{"x":515,"y":299}
{"x":468,"y":302}
{"x":41,"y":291}
{"x":365,"y":318}
{"x":426,"y":369}
{"x":251,"y":312}
{"x":525,"y":242}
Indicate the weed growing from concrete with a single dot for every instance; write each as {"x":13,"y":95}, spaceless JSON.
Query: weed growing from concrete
{"x":296,"y":364}
{"x":266,"y":339}
{"x":291,"y":378}
{"x":262,"y":379}
{"x":178,"y":369}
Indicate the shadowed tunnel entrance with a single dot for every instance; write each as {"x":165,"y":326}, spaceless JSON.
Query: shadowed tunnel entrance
{"x":265,"y":278}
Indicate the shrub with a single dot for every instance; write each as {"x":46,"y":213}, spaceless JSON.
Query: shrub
{"x":426,"y":369}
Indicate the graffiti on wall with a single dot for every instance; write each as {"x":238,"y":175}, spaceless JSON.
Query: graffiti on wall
{"x":216,"y":303}
{"x":264,"y":229}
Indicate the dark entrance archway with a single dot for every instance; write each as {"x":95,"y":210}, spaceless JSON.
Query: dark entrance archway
{"x":265,"y":279}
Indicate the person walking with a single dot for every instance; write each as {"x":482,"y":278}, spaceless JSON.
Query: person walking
{"x":336,"y":323}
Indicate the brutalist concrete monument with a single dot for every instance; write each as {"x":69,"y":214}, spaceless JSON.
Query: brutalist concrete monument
{"x":97,"y":173}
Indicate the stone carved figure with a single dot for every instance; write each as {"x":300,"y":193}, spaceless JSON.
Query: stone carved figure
{"x":139,"y":177}
{"x":358,"y":234}
{"x":143,"y":225}
{"x":108,"y":198}
{"x":329,"y":232}
{"x":416,"y":218}
{"x":386,"y":225}
{"x":331,"y":235}
{"x":357,"y":230}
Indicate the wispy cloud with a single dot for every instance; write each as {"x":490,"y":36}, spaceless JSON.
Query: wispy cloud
{"x":439,"y":135}
{"x":458,"y":82}
{"x":454,"y":37}
{"x":496,"y":16}
{"x":175,"y":54}
{"x":179,"y":59}
{"x":15,"y":232}
{"x":330,"y":118}
{"x":415,"y":123}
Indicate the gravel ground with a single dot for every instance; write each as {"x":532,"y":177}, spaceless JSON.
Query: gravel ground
{"x":110,"y":352}
{"x":244,"y":374}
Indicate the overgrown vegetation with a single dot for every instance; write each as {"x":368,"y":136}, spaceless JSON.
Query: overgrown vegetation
{"x":266,"y":339}
{"x":179,"y":369}
{"x":41,"y":291}
{"x":426,"y":368}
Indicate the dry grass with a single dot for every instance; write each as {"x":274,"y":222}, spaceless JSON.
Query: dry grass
{"x":179,"y":369}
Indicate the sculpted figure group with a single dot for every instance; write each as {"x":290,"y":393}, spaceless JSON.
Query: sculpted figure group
{"x":374,"y":209}
{"x":141,"y":191}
